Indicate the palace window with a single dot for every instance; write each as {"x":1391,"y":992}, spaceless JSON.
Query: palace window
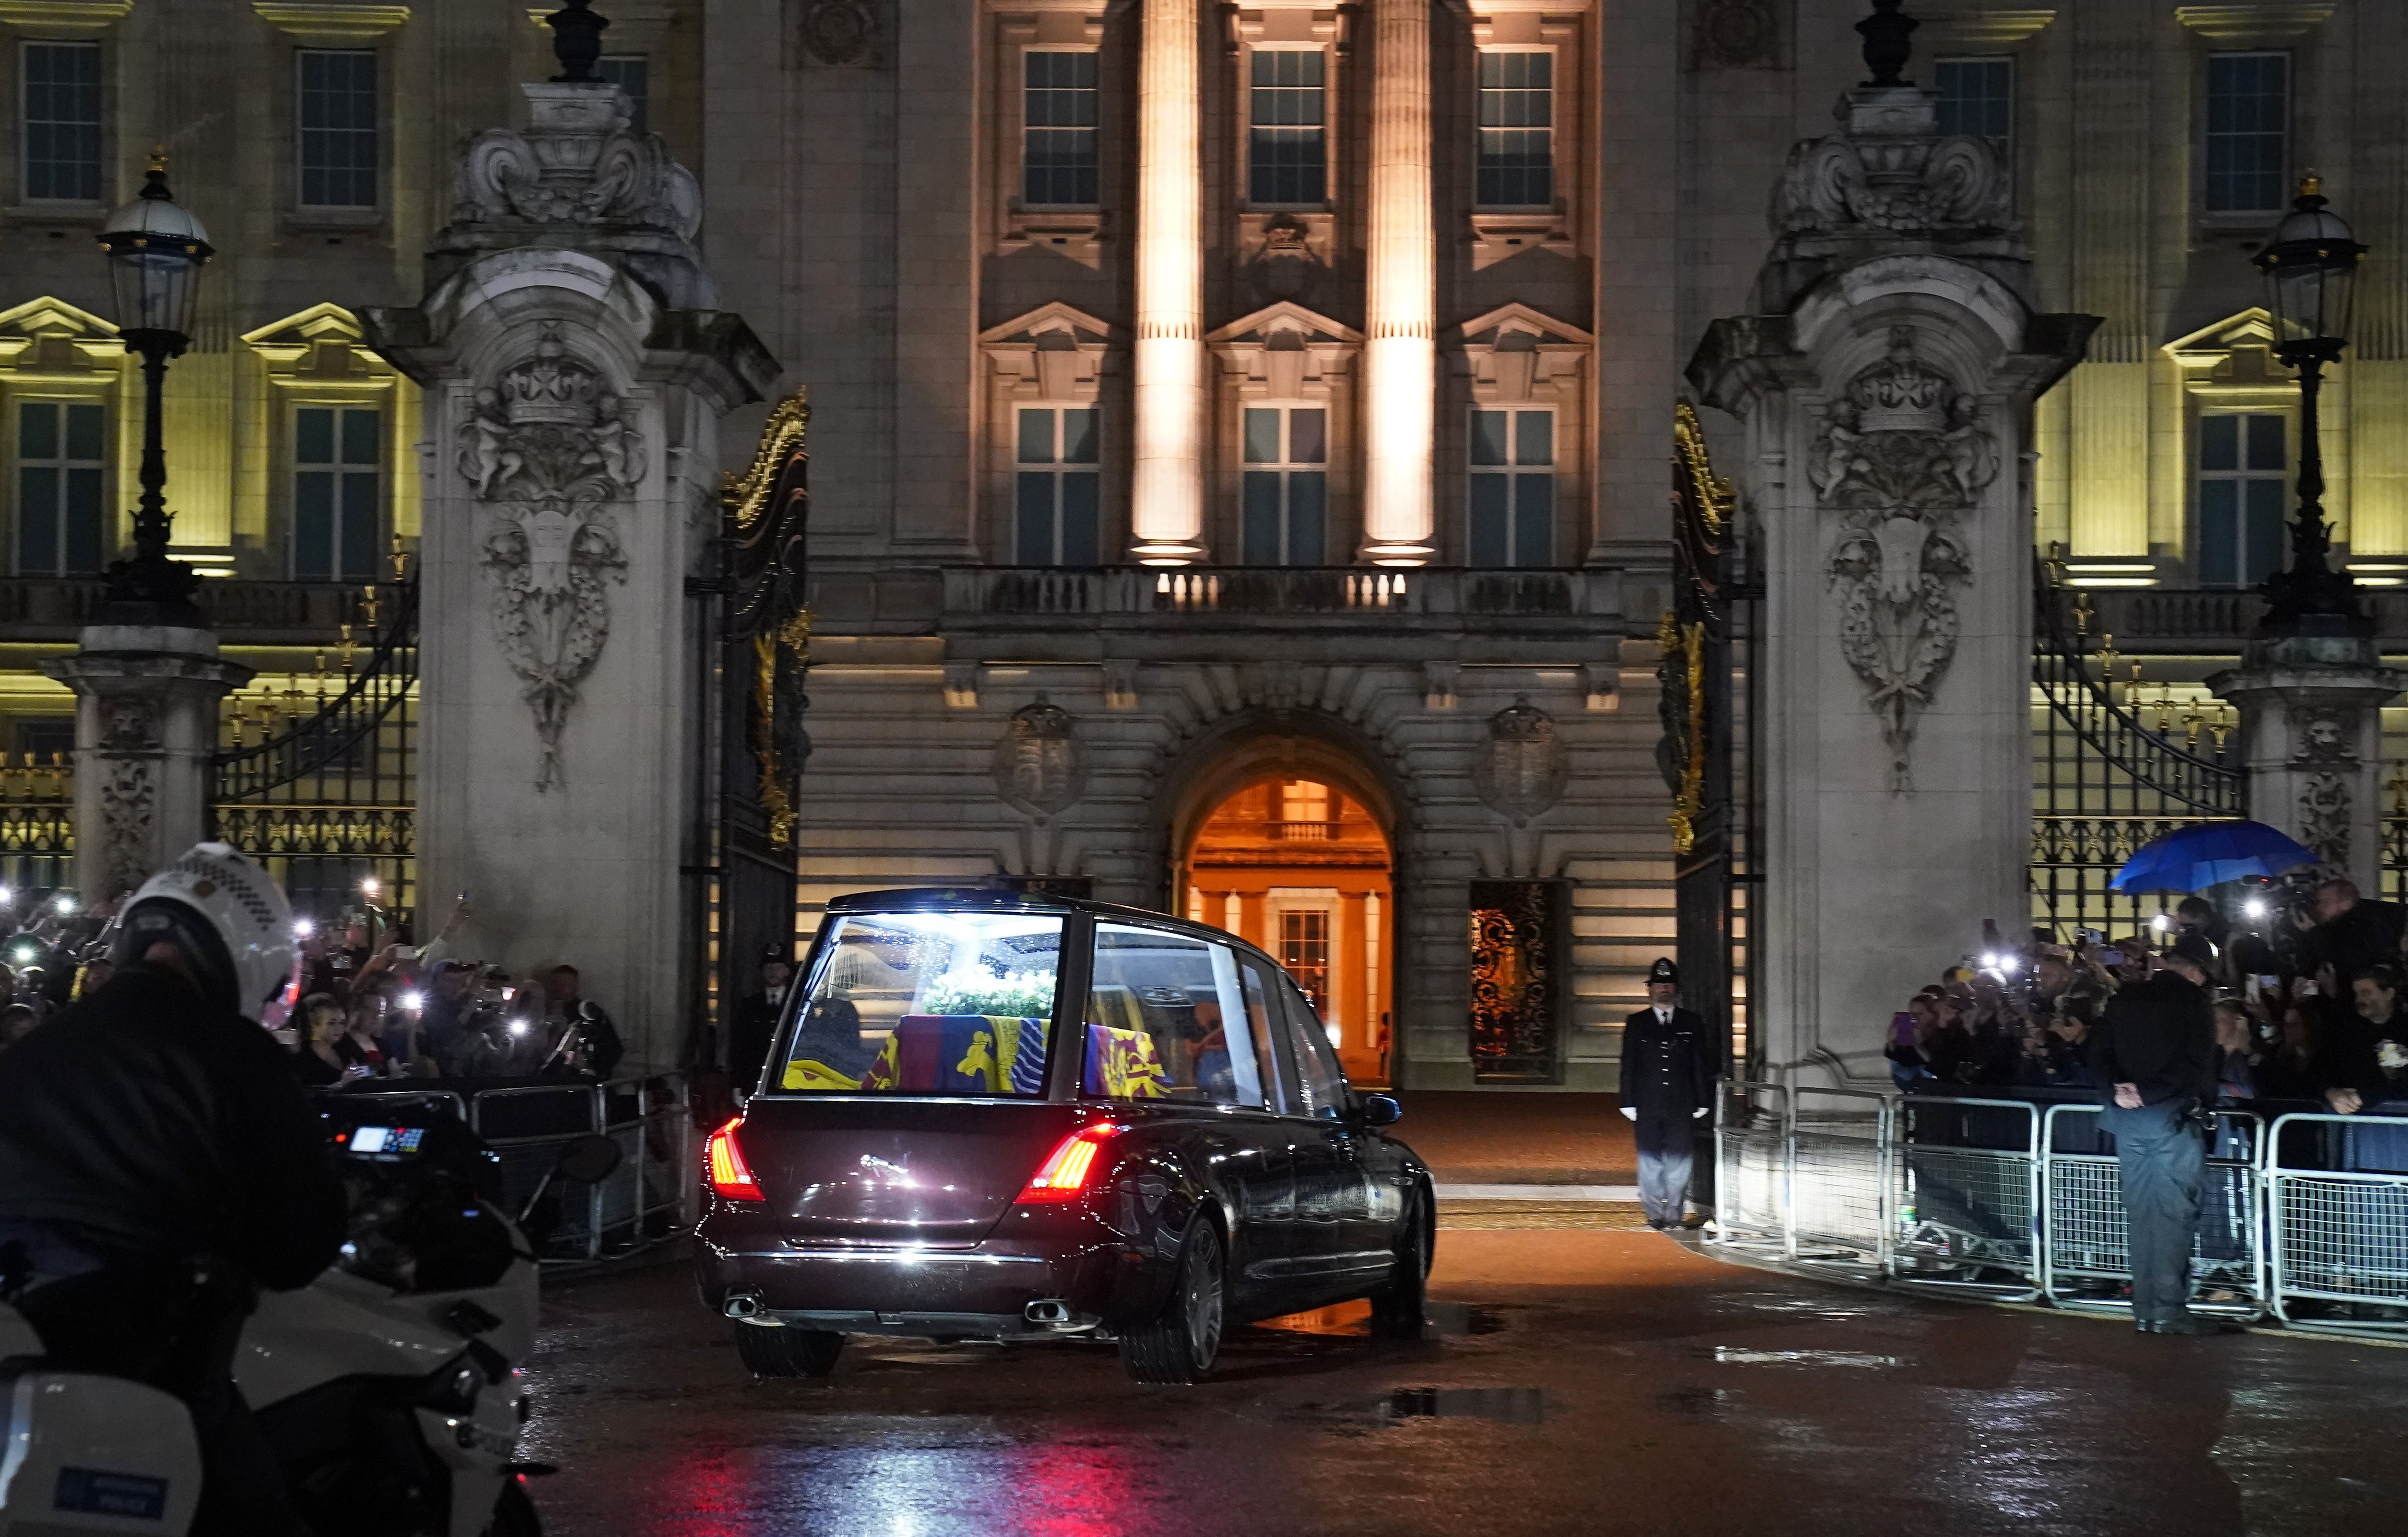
{"x":1287,"y":139}
{"x":1055,"y":487}
{"x":1304,"y":951}
{"x":61,"y":449}
{"x":633,"y":74}
{"x":336,"y":487}
{"x":1977,"y":99}
{"x":59,"y":126}
{"x":2248,"y":132}
{"x":337,"y":118}
{"x":1517,"y":138}
{"x":1513,"y":488}
{"x":2243,"y":487}
{"x":1285,"y":485}
{"x":1058,"y":142}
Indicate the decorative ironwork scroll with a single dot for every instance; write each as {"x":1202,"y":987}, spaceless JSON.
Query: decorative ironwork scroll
{"x":1516,"y":991}
{"x":2103,"y":783}
{"x":321,"y":783}
{"x":763,"y":631}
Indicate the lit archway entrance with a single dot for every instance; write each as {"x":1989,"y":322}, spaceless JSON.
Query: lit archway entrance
{"x":1301,"y":867}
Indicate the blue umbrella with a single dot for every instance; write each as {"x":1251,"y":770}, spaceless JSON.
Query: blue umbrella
{"x":2207,"y":853}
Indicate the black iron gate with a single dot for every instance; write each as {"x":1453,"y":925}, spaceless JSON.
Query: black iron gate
{"x":319,"y":779}
{"x":764,"y":632}
{"x":1701,"y":636}
{"x":2103,"y":781}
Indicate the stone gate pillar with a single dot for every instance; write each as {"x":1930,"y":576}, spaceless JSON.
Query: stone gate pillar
{"x":146,"y":723}
{"x":576,"y":365}
{"x":1885,"y":390}
{"x":2311,"y":709}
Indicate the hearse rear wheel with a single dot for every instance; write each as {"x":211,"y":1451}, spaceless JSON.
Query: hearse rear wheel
{"x":1178,"y":1344}
{"x":782,"y":1350}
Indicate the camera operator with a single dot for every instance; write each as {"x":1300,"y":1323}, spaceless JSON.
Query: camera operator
{"x":159,"y":1163}
{"x":580,"y":1037}
{"x":2351,"y":937}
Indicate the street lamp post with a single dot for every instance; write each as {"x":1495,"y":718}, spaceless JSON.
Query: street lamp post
{"x":2309,"y":268}
{"x":156,"y":250}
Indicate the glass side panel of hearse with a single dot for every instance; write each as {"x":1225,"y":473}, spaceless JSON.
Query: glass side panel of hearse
{"x":959,"y":1004}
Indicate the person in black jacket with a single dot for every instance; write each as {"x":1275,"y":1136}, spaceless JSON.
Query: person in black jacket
{"x":1668,"y":1082}
{"x":159,"y":1164}
{"x":2155,"y":1051}
{"x":756,"y":1021}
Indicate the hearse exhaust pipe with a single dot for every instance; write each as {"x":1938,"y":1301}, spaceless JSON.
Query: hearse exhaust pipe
{"x":743,"y":1302}
{"x":1048,"y":1311}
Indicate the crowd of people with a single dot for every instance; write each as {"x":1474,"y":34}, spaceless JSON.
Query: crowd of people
{"x":2306,"y":983}
{"x":372,"y":1006}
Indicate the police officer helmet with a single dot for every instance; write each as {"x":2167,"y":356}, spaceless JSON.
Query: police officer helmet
{"x":1663,"y":971}
{"x":231,"y":921}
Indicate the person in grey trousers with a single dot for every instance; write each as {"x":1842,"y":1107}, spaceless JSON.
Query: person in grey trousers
{"x":1668,"y":1082}
{"x":2155,"y":1051}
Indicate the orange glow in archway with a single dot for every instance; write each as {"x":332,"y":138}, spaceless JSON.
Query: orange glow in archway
{"x":1301,"y":869}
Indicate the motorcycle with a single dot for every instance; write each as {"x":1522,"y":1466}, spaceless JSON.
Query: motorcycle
{"x":387,"y":1388}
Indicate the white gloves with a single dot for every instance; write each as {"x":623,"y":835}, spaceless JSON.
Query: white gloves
{"x":1630,"y":1113}
{"x":1696,"y":1112}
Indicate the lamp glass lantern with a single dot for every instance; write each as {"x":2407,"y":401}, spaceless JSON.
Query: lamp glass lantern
{"x":2311,"y":268}
{"x":156,"y":250}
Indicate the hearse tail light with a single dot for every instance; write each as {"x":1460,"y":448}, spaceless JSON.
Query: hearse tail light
{"x":731,"y":1178}
{"x":1063,"y":1176}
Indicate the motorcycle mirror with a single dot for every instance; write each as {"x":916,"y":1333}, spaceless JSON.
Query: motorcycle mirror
{"x":589,"y":1160}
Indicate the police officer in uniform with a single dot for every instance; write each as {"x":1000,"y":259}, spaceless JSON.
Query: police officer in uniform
{"x":1668,"y":1083}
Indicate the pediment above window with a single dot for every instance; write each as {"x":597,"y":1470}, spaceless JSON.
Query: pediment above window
{"x":1518,"y":356}
{"x":1284,"y":352}
{"x":53,"y":336}
{"x":323,"y":342}
{"x":1055,"y":353}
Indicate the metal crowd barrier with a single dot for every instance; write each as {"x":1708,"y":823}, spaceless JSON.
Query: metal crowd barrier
{"x":1752,"y":1167}
{"x":1839,"y":1146}
{"x":1968,"y":1195}
{"x":2018,"y":1200}
{"x":639,"y":1203}
{"x":2086,"y":1257}
{"x":645,"y":1200}
{"x":2341,"y":1232}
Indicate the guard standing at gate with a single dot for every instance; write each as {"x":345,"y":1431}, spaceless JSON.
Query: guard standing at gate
{"x":2155,"y":1050}
{"x":1668,"y":1083}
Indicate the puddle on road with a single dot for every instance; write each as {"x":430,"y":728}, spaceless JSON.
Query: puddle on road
{"x":1702,"y":1401}
{"x":1511,"y":1405}
{"x":1730,"y":1356}
{"x":1439,"y":1321}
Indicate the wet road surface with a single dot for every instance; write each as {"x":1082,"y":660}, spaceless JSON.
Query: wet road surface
{"x":1585,"y":1381}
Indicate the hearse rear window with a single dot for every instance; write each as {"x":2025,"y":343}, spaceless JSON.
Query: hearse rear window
{"x":951,"y":1003}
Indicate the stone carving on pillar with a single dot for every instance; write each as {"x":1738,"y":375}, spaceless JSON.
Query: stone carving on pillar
{"x":1738,"y":35}
{"x":840,"y":32}
{"x":1036,"y":766}
{"x":2323,"y":745}
{"x":1908,"y":183}
{"x":129,"y":795}
{"x":605,"y":174}
{"x":549,"y":448}
{"x":1521,"y":770}
{"x":1900,"y":457}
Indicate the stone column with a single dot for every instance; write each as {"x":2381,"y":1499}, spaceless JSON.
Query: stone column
{"x":1400,"y":297}
{"x":1167,"y":500}
{"x":2311,"y":742}
{"x":1885,"y":389}
{"x":146,"y":723}
{"x":576,"y":364}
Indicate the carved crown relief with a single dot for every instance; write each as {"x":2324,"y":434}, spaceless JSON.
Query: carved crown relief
{"x":1522,"y":768}
{"x":1901,"y":454}
{"x":1036,"y":766}
{"x":549,"y":448}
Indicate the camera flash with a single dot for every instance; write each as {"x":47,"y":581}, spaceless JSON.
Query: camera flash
{"x":303,"y":928}
{"x":412,"y":1001}
{"x":2255,"y":908}
{"x":2161,"y":923}
{"x":63,"y":902}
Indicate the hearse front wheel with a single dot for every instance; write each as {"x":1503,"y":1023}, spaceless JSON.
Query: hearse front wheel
{"x":1178,"y":1344}
{"x":780,"y":1350}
